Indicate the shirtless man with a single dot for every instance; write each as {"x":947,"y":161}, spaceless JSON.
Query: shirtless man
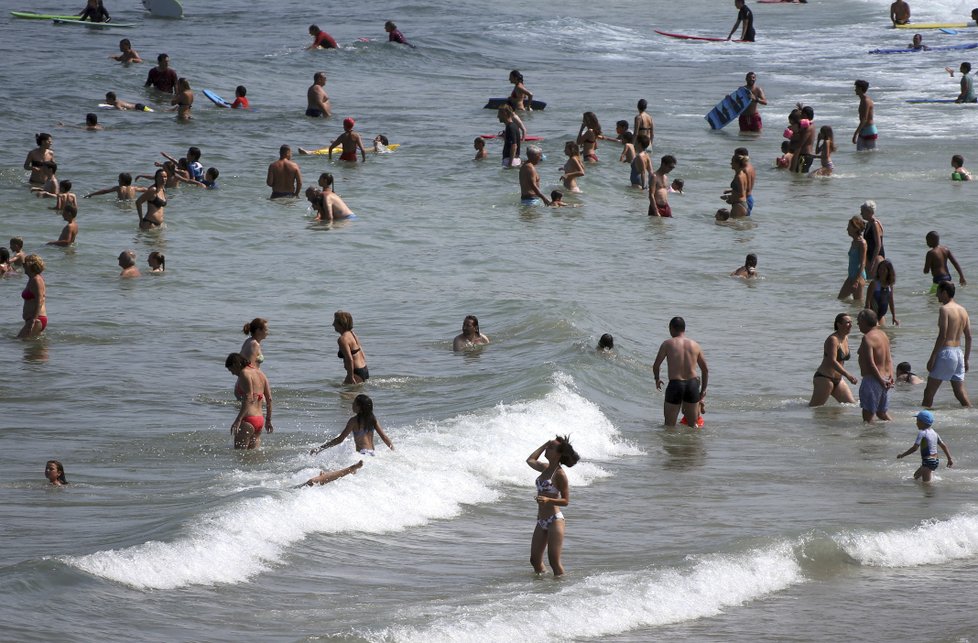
{"x":128,"y":55}
{"x":947,"y":360}
{"x":899,"y":13}
{"x":659,"y":188}
{"x":643,"y":124}
{"x":530,"y":179}
{"x":936,"y":260}
{"x":866,"y":133}
{"x":317,"y":102}
{"x":284,"y":176}
{"x":750,"y":119}
{"x":751,"y":177}
{"x":685,"y":391}
{"x":876,"y":367}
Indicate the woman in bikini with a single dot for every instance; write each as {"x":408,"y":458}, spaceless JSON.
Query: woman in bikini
{"x":553,"y":492}
{"x":736,"y":196}
{"x":256,"y":330}
{"x":350,"y":351}
{"x":828,"y":377}
{"x":588,"y":136}
{"x":40,"y":154}
{"x":824,"y":147}
{"x":183,"y":100}
{"x":155,"y":199}
{"x":35,"y":314}
{"x":573,"y":168}
{"x":520,"y":99}
{"x":362,"y":425}
{"x":251,"y":389}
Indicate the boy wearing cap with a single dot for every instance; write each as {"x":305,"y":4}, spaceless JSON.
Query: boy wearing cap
{"x":350,"y":141}
{"x":927,"y":441}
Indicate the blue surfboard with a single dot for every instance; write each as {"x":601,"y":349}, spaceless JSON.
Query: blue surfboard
{"x":215,"y":98}
{"x":908,"y":50}
{"x":729,"y":108}
{"x":932,"y":100}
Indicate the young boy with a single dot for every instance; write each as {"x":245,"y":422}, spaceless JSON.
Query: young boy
{"x":927,"y":441}
{"x":125,"y":191}
{"x":935,"y":262}
{"x":677,"y":186}
{"x":210,"y":178}
{"x":959,"y":173}
{"x":480,"y":148}
{"x":240,"y":102}
{"x":128,"y":54}
{"x":194,"y":169}
{"x":17,"y":250}
{"x":70,"y":231}
{"x":557,"y":199}
{"x":350,"y":141}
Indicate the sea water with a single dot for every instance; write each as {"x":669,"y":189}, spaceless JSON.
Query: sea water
{"x":773,"y":522}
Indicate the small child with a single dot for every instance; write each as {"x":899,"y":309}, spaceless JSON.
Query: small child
{"x":573,"y":168}
{"x":210,"y":178}
{"x":606,"y":342}
{"x":879,"y":294}
{"x":959,"y":173}
{"x":677,"y":186}
{"x":783,"y":162}
{"x":699,"y":420}
{"x":49,"y":188}
{"x":935,"y":262}
{"x":63,"y":196}
{"x":381,"y":144}
{"x":156,"y":261}
{"x":906,"y":375}
{"x":480,"y":149}
{"x":350,"y":141}
{"x":557,"y":199}
{"x":128,"y":54}
{"x":722,"y":215}
{"x":749,"y":269}
{"x":628,"y":151}
{"x":927,"y":441}
{"x":240,"y":100}
{"x":125,"y":191}
{"x":17,"y":248}
{"x":70,"y":231}
{"x":824,"y":147}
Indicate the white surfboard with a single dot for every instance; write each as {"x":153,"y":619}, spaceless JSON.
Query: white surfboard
{"x":164,"y":8}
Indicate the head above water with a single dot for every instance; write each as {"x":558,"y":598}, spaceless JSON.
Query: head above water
{"x":606,"y":342}
{"x":677,"y":325}
{"x":925,"y":417}
{"x":933,"y":239}
{"x":867,"y":318}
{"x":840,"y":320}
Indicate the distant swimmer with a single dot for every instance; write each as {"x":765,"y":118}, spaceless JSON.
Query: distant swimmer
{"x":606,"y":342}
{"x":828,"y":377}
{"x":643,"y":124}
{"x":750,"y":118}
{"x":967,"y":94}
{"x":70,"y":232}
{"x":91,"y":123}
{"x":18,"y":256}
{"x":325,"y":477}
{"x":936,"y":260}
{"x":552,"y":494}
{"x":659,"y":188}
{"x":875,"y":367}
{"x":350,"y":142}
{"x":900,"y":13}
{"x":748,"y":270}
{"x":317,"y":101}
{"x":350,"y":350}
{"x":852,"y":287}
{"x":54,"y":471}
{"x":917,"y":43}
{"x":111,"y":99}
{"x":95,"y":11}
{"x":530,"y":193}
{"x":866,"y":132}
{"x":394,"y":34}
{"x":284,"y":176}
{"x":362,"y":426}
{"x":127,"y":261}
{"x":481,"y":153}
{"x":959,"y":172}
{"x":256,"y":330}
{"x":128,"y":55}
{"x":252,"y":389}
{"x":745,"y":17}
{"x":751,"y":178}
{"x":35,"y":313}
{"x":5,"y":266}
{"x":947,"y":360}
{"x":156,"y":261}
{"x":321,"y":39}
{"x":154,"y":197}
{"x":40,"y":154}
{"x":685,"y":389}
{"x":161,"y":77}
{"x":521,"y":97}
{"x":927,"y":441}
{"x":240,"y":98}
{"x":471,"y":336}
{"x":905,"y":374}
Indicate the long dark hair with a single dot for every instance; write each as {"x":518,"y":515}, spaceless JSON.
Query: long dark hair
{"x":61,"y":471}
{"x":365,"y":412}
{"x":568,"y":456}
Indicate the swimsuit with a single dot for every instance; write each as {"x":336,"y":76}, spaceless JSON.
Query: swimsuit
{"x":664,"y":210}
{"x":362,"y":373}
{"x":313,"y":112}
{"x":873,"y":396}
{"x":545,"y":487}
{"x":636,"y":175}
{"x":349,"y":156}
{"x":26,"y":294}
{"x":158,"y":202}
{"x":928,"y":441}
{"x":882,"y":299}
{"x":750,"y":204}
{"x":281,"y":195}
{"x":873,"y":237}
{"x":683,"y":391}
{"x":240,"y":102}
{"x":529,"y":200}
{"x":256,"y":421}
{"x":949,"y":365}
{"x":750,"y":122}
{"x":591,"y":156}
{"x":839,"y":356}
{"x":867,"y":138}
{"x":44,"y":321}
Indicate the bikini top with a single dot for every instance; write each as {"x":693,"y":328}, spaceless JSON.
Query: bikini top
{"x":360,"y":432}
{"x":158,"y":202}
{"x":842,"y":357}
{"x":27,"y":294}
{"x":339,"y":353}
{"x":239,"y":393}
{"x":545,"y":486}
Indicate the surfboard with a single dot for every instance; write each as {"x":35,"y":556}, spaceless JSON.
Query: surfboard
{"x":96,"y":25}
{"x":323,"y":151}
{"x":496,"y":103}
{"x":164,"y":8}
{"x":528,"y":138}
{"x":215,"y":98}
{"x":729,"y":108}
{"x":908,"y":50}
{"x":687,"y":37}
{"x":781,"y":2}
{"x":932,"y":100}
{"x":30,"y":15}
{"x":935,"y":25}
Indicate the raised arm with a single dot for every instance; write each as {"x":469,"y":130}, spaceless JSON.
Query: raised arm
{"x":534,"y":459}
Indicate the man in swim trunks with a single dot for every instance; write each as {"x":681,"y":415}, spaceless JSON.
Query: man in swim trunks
{"x":530,"y":193}
{"x":350,"y":141}
{"x":746,"y":17}
{"x":659,"y":188}
{"x":284,"y":176}
{"x":876,"y":367}
{"x":162,"y":77}
{"x":947,"y":360}
{"x":750,"y":119}
{"x":866,"y":133}
{"x":685,"y":391}
{"x":317,"y":102}
{"x":751,"y":177}
{"x":936,"y":260}
{"x":644,"y":125}
{"x":899,"y":13}
{"x":321,"y":39}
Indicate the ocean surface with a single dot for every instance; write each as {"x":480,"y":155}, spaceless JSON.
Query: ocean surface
{"x":774,"y":522}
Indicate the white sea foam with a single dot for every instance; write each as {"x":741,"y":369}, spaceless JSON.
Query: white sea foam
{"x":932,"y":541}
{"x":434,"y":471}
{"x":607,"y":604}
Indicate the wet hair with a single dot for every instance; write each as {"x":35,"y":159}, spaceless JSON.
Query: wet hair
{"x":826,"y":134}
{"x":643,"y":140}
{"x":751,"y":260}
{"x":36,"y":264}
{"x":808,"y":112}
{"x":572,"y":148}
{"x":668,"y":159}
{"x":61,"y":470}
{"x":680,"y":183}
{"x":794,"y":116}
{"x":213,"y":173}
{"x":869,"y":317}
{"x":390,"y":23}
{"x":785,"y":147}
{"x":903,"y":367}
{"x":193,"y":152}
{"x":110,"y":97}
{"x":591,"y":120}
{"x":160,"y":58}
{"x":125,"y":178}
{"x":327,"y":178}
{"x":131,"y":256}
{"x":556,"y":195}
{"x":623,"y":124}
{"x":606,"y":341}
{"x":749,"y":74}
{"x":474,"y":320}
{"x":43,"y":136}
{"x":957,"y":161}
{"x":314,"y":29}
{"x":677,"y":324}
{"x":125,"y":43}
{"x":888,"y":265}
{"x":283,"y":150}
{"x":236,"y":360}
{"x":965,"y":67}
{"x":385,"y":141}
{"x":858,"y":223}
{"x":160,"y":172}
{"x":869,"y":206}
{"x":70,"y":210}
{"x":932,"y":238}
{"x":838,"y":320}
{"x":742,"y":151}
{"x":479,"y":142}
{"x":156,"y":254}
{"x":945,"y":287}
{"x":313,"y":193}
{"x":4,"y":255}
{"x":17,"y":241}
{"x":343,"y":320}
{"x":568,"y":456}
{"x":240,"y":90}
{"x":642,"y":104}
{"x":723,"y":214}
{"x":365,"y":412}
{"x":862,"y":85}
{"x":516,"y":73}
{"x":255,"y":325}
{"x":740,"y":161}
{"x":91,"y":118}
{"x":64,"y":186}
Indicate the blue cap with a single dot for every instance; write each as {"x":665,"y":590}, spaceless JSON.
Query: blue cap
{"x":926,"y":417}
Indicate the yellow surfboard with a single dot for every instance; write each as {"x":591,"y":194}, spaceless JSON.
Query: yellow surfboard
{"x":336,"y":150}
{"x":936,"y":25}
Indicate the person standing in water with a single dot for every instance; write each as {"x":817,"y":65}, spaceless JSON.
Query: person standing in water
{"x":927,"y":441}
{"x":284,"y":176}
{"x":947,"y":360}
{"x":875,"y":366}
{"x":553,"y":493}
{"x":685,"y":390}
{"x":317,"y":100}
{"x":750,"y":118}
{"x":745,"y":17}
{"x":866,"y":132}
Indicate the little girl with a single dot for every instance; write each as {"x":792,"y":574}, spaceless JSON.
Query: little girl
{"x":879,"y":295}
{"x":573,"y":168}
{"x":824,"y":148}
